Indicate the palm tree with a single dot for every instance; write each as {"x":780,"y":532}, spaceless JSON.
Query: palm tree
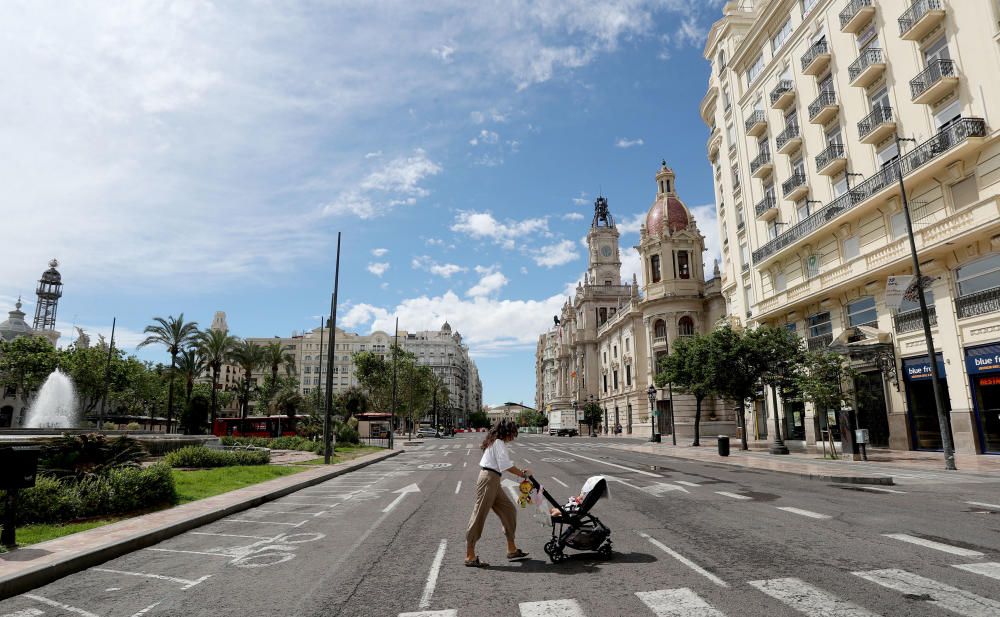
{"x":249,"y":357}
{"x":215,"y":346}
{"x":174,"y":334}
{"x":190,"y":366}
{"x":275,"y":355}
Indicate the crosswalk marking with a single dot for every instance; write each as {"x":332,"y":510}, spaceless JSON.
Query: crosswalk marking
{"x":28,"y":612}
{"x":806,"y":513}
{"x":686,"y":483}
{"x":879,"y":489}
{"x":809,"y":600}
{"x":733,"y":495}
{"x":677,"y":603}
{"x":551,"y":608}
{"x":943,"y":596}
{"x":448,"y":613}
{"x":991,"y":506}
{"x":990,"y":569}
{"x":938,"y":546}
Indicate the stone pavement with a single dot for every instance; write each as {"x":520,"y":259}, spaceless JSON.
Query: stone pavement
{"x":26,"y":568}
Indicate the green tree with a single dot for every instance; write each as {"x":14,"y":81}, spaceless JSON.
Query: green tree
{"x":276,"y":355}
{"x":592,"y":414}
{"x":479,"y":419}
{"x":190,"y":366}
{"x":690,"y":368}
{"x":248,"y":356}
{"x":742,"y":364}
{"x":194,"y":417}
{"x":174,"y":334}
{"x":532,"y":417}
{"x":26,"y":362}
{"x":783,"y":354}
{"x":374,"y":374}
{"x":89,"y":369}
{"x":288,"y":400}
{"x":414,"y":389}
{"x":215,"y":347}
{"x":820,"y":381}
{"x":352,"y":402}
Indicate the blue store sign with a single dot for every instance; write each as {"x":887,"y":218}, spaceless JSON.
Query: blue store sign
{"x":919,"y":369}
{"x":985,"y":359}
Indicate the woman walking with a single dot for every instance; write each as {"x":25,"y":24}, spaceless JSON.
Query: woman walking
{"x":491,"y":496}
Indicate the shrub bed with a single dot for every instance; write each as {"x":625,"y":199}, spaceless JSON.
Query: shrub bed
{"x":200,"y":456}
{"x":277,"y":443}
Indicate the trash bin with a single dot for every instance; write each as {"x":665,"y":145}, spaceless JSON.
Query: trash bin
{"x":723,"y":445}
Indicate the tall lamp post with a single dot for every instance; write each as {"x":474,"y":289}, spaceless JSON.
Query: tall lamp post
{"x":590,"y":422}
{"x":576,"y":414}
{"x":654,"y":433}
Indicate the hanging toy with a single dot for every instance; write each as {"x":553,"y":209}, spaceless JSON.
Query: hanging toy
{"x":525,"y":497}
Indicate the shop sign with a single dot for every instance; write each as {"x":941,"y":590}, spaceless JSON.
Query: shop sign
{"x":918,"y":369}
{"x":983,"y":359}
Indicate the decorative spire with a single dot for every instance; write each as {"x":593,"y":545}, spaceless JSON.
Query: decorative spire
{"x":602,"y":214}
{"x":18,"y":304}
{"x":716,"y":271}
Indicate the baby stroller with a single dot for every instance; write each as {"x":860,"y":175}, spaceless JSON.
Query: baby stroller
{"x":574,"y":526}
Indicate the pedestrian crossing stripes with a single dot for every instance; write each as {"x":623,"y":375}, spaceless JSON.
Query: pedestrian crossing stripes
{"x":939,"y":594}
{"x":677,"y":603}
{"x":807,"y":599}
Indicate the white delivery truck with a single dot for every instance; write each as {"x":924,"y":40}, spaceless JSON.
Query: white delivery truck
{"x":563,"y":422}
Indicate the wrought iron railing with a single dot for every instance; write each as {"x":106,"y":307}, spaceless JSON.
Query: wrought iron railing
{"x":819,"y":48}
{"x":797,"y":180}
{"x":765,"y":204}
{"x":762,"y":159}
{"x":878,"y":117}
{"x":822,"y":341}
{"x":833,"y":151}
{"x":913,"y":14}
{"x":791,"y":132}
{"x":757,"y":117}
{"x":949,"y":137}
{"x":867,"y":58}
{"x":935,"y":72}
{"x":852,"y":9}
{"x":909,"y":321}
{"x":785,"y":85}
{"x":740,"y":224}
{"x":979,"y":303}
{"x":825,"y":99}
{"x":746,"y":266}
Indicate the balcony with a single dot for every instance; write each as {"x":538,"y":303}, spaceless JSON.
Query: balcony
{"x":816,"y":59}
{"x":867,"y":69}
{"x":938,"y":79}
{"x":918,"y":20}
{"x":855,"y":15}
{"x":795,"y":188}
{"x":979,"y":303}
{"x":831,"y":161}
{"x":909,"y":321}
{"x":783,"y":94}
{"x":761,"y":166}
{"x":815,"y":343}
{"x":824,"y":108}
{"x":767,"y":208}
{"x":789,"y":140}
{"x":714,"y":142}
{"x":877,"y":126}
{"x":949,"y":145}
{"x":756,"y":124}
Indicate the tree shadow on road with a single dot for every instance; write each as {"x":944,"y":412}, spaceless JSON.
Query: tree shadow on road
{"x":576,"y":563}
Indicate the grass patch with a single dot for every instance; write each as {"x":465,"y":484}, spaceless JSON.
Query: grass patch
{"x":201,"y":483}
{"x":343,"y":454}
{"x":43,"y":532}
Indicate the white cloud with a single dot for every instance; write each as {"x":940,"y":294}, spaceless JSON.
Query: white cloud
{"x":434,"y":242}
{"x":378,"y":268}
{"x":379,"y":252}
{"x":397,"y":183}
{"x":631,"y":224}
{"x":444,"y":53}
{"x":557,"y":254}
{"x":479,"y":117}
{"x":373,"y":155}
{"x":583,"y":199}
{"x":490,"y":283}
{"x":483,"y":225}
{"x":628,"y":143}
{"x":631,"y":265}
{"x":573,"y":216}
{"x":424,"y":262}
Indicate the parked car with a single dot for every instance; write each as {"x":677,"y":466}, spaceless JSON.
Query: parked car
{"x":564,"y":432}
{"x":427,"y":431}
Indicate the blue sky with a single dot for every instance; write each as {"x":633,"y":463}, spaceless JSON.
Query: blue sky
{"x":193,"y":157}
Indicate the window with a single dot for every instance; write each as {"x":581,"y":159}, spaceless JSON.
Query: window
{"x":880,"y":99}
{"x":783,"y":33}
{"x":798,"y":167}
{"x":979,"y":275}
{"x":862,"y":312}
{"x":772,"y":229}
{"x":812,"y":266}
{"x":888,"y":155}
{"x":605,"y":356}
{"x":851,"y":248}
{"x":605,"y":383}
{"x":654,"y":268}
{"x":730,"y":135}
{"x":721,"y":61}
{"x":819,"y":324}
{"x":308,"y":358}
{"x":628,"y":374}
{"x":948,"y":115}
{"x":938,"y":50}
{"x":614,"y":351}
{"x":614,"y":375}
{"x":626,"y":345}
{"x":779,"y":280}
{"x":802,"y":210}
{"x":305,"y":390}
{"x":683,"y":266}
{"x":308,"y":369}
{"x":833,"y":136}
{"x":744,"y":253}
{"x":965,"y":193}
{"x":807,"y":5}
{"x":826,"y":84}
{"x":660,"y":329}
{"x":740,"y":220}
{"x":840,"y":187}
{"x":748,"y":297}
{"x":791,"y":327}
{"x":897,"y":225}
{"x":755,"y":69}
{"x":685,"y":326}
{"x":727,"y":101}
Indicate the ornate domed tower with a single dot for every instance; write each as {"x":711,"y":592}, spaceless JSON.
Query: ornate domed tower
{"x":602,"y":241}
{"x":49,"y":291}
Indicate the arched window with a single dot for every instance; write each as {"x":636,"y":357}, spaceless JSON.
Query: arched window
{"x":685,"y":326}
{"x":683,"y":265}
{"x":654,"y":268}
{"x":660,"y":329}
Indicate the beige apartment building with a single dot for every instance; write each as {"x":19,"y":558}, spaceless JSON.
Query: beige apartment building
{"x":804,"y":103}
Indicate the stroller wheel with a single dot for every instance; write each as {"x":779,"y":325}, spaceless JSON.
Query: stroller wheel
{"x":605,"y":551}
{"x":551,"y":548}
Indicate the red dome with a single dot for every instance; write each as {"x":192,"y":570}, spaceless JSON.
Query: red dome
{"x":676,"y":215}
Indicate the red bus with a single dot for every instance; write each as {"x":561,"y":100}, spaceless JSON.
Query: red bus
{"x":255,"y":426}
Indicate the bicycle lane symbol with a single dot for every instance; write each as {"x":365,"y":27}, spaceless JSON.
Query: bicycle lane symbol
{"x":267,"y":552}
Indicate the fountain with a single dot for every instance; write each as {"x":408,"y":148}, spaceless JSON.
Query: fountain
{"x":55,"y":405}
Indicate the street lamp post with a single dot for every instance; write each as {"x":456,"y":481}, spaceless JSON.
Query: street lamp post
{"x":576,"y":414}
{"x":654,"y":434}
{"x":590,"y":422}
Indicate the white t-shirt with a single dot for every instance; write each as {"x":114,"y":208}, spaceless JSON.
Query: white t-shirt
{"x":496,"y":457}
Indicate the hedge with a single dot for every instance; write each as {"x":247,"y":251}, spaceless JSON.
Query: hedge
{"x":200,"y":456}
{"x":290,"y":442}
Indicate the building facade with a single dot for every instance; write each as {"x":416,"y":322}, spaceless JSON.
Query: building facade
{"x":608,"y":338}
{"x":805,"y":101}
{"x":508,"y":411}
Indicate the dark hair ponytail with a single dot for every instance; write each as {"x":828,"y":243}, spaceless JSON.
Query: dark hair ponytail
{"x":502,"y":430}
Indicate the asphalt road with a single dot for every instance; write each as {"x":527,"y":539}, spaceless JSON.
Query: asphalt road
{"x":690,"y":539}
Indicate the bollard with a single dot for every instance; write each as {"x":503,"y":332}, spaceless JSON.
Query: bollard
{"x":723,"y":445}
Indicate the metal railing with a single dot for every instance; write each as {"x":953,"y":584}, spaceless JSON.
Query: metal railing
{"x":979,"y":303}
{"x":746,"y":266}
{"x":912,"y":15}
{"x":757,"y":117}
{"x":851,"y":10}
{"x":765,"y":204}
{"x":818,"y":49}
{"x":740,"y":224}
{"x":834,"y":151}
{"x":934,"y":147}
{"x":878,"y":117}
{"x":791,"y":132}
{"x":785,"y":85}
{"x":825,"y":99}
{"x":868,"y":57}
{"x":819,"y":342}
{"x":935,"y":72}
{"x":797,"y":180}
{"x":909,"y":321}
{"x":762,"y":159}
{"x":736,"y":182}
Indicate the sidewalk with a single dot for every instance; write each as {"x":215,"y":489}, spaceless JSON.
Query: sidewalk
{"x":26,"y":568}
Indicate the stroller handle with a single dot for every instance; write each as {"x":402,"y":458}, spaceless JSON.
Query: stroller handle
{"x":538,"y":487}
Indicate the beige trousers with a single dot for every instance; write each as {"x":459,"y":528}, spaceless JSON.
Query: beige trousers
{"x":490,"y":496}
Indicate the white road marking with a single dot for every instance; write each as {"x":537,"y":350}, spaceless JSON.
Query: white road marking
{"x":468,"y":451}
{"x":677,"y":603}
{"x":686,"y":483}
{"x":145,"y":610}
{"x":526,"y":461}
{"x":465,"y":464}
{"x":188,"y":584}
{"x":938,"y":546}
{"x":943,"y":596}
{"x":684,"y":560}
{"x":458,"y":487}
{"x":241,"y":520}
{"x":448,"y":613}
{"x":733,"y":495}
{"x":806,"y":513}
{"x":54,"y":604}
{"x":28,"y":612}
{"x":432,"y":576}
{"x":616,"y":465}
{"x":403,"y":492}
{"x":231,"y":535}
{"x":809,"y":600}
{"x":992,"y":506}
{"x":560,"y":481}
{"x":293,"y":511}
{"x":990,"y":569}
{"x":879,"y":489}
{"x":172,"y":550}
{"x":551,"y":608}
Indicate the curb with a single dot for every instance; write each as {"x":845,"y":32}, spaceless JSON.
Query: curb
{"x":20,"y":582}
